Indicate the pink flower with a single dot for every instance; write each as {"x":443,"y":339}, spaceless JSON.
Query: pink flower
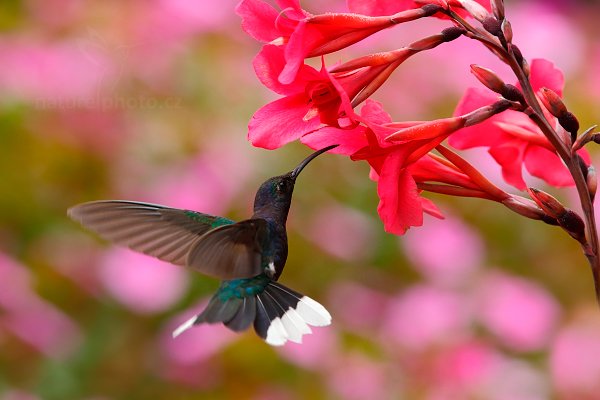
{"x":316,"y":352}
{"x":520,"y":313}
{"x":31,"y":318}
{"x":315,"y":97}
{"x":423,"y":316}
{"x":328,"y":230}
{"x":458,"y":251}
{"x":512,"y":138}
{"x":397,"y":167}
{"x":142,"y":283}
{"x":357,"y":307}
{"x":303,"y":35}
{"x":574,"y":363}
{"x":358,"y":378}
{"x":387,"y":7}
{"x":196,"y":345}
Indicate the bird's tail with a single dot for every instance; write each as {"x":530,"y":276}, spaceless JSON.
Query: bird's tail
{"x":278,"y":313}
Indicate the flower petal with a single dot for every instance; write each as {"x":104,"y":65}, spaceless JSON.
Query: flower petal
{"x":280,"y":122}
{"x":399,"y":206}
{"x":545,"y":74}
{"x":546,"y":165}
{"x":269,"y":63}
{"x":510,"y":157}
{"x":349,"y":140}
{"x":483,"y":134}
{"x":258,"y":20}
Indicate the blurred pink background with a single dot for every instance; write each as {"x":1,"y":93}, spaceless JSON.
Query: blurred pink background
{"x":149,"y":101}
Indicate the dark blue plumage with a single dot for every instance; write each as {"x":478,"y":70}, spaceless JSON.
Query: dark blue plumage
{"x":249,"y":256}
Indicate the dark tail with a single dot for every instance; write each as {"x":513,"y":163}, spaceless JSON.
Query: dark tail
{"x":278,"y":313}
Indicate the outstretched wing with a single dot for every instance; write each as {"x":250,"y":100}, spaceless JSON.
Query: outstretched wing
{"x":230,"y":251}
{"x":162,"y":232}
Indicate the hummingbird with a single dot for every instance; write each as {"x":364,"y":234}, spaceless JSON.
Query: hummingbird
{"x":248,"y":256}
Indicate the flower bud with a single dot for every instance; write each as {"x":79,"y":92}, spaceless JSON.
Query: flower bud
{"x":517,"y":53}
{"x":583,"y":139}
{"x":592,"y":181}
{"x":476,"y":10}
{"x":512,"y":93}
{"x":566,"y":218}
{"x":454,"y":32}
{"x":553,"y":102}
{"x":492,"y":25}
{"x":498,"y":9}
{"x":430,"y":9}
{"x":524,"y":207}
{"x":428,"y":130}
{"x":571,"y":124}
{"x":488,"y":78}
{"x":483,"y":113}
{"x":573,"y":224}
{"x":507,"y":30}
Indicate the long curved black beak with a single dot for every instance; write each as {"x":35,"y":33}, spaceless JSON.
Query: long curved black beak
{"x":296,"y":171}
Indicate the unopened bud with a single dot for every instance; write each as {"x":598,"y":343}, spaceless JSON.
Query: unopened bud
{"x":428,"y":130}
{"x":454,"y":32}
{"x":483,"y":113}
{"x":488,"y":78}
{"x":583,"y":139}
{"x":553,"y":102}
{"x":507,"y":30}
{"x":566,"y":218}
{"x":548,"y":203}
{"x":512,"y":93}
{"x":592,"y":181}
{"x":573,"y":224}
{"x":571,"y":124}
{"x":498,"y":9}
{"x":517,"y":53}
{"x":430,"y":9}
{"x":476,"y":10}
{"x":492,"y":25}
{"x":524,"y":207}
{"x":519,"y":57}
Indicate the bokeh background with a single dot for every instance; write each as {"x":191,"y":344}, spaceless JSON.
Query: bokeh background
{"x":149,"y":100}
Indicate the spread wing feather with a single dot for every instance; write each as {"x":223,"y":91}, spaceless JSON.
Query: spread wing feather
{"x":162,"y":232}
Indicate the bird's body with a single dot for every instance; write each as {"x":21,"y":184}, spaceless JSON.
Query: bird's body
{"x":249,"y":256}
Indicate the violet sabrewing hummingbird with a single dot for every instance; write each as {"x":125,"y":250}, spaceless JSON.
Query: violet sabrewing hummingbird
{"x":249,"y":256}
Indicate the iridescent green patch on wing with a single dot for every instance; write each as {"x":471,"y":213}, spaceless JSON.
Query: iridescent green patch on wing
{"x":241,"y":288}
{"x":213,"y":221}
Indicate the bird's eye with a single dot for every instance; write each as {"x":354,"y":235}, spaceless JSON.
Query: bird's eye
{"x":280,"y":186}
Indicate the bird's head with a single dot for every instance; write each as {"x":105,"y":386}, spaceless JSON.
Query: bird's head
{"x":277,"y":191}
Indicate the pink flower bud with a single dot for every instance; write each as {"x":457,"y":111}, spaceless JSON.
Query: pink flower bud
{"x":548,"y":203}
{"x":475,"y":9}
{"x":592,"y":181}
{"x":553,"y":102}
{"x":507,"y":30}
{"x":483,"y":113}
{"x":492,"y":25}
{"x":524,"y":207}
{"x":498,"y":9}
{"x":567,"y":219}
{"x":488,"y":78}
{"x":428,"y":130}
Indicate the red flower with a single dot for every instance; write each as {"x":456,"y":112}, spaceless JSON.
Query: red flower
{"x":513,"y":139}
{"x":305,"y":35}
{"x":397,"y":168}
{"x":389,"y":7}
{"x":314,"y":97}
